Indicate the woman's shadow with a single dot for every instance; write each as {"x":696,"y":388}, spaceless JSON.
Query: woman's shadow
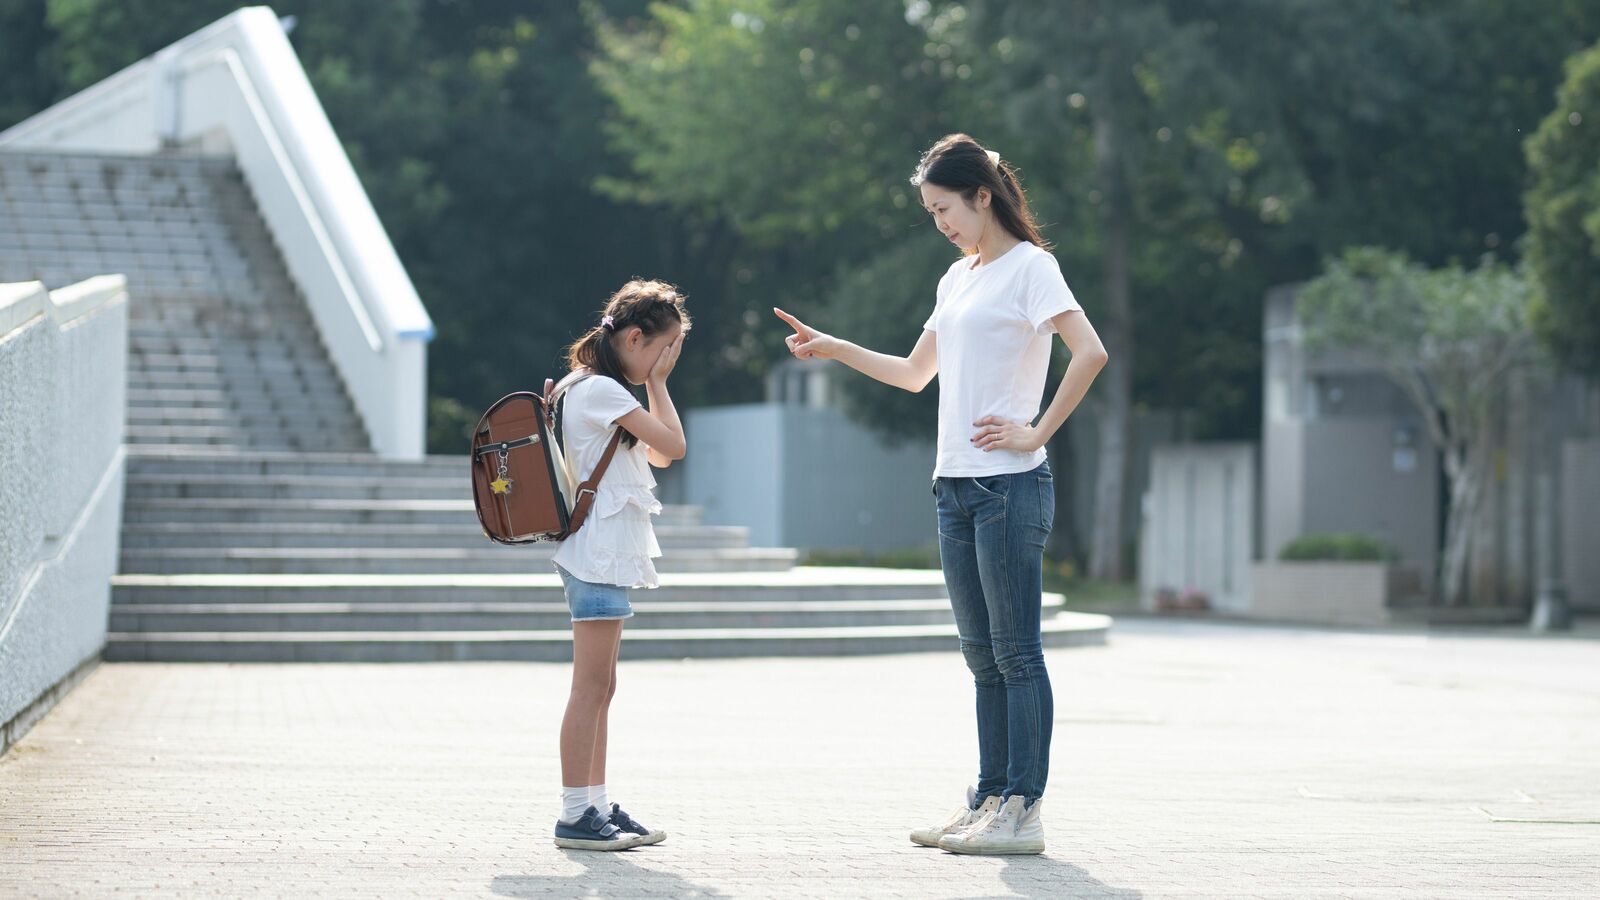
{"x":604,"y":875}
{"x":1041,"y":876}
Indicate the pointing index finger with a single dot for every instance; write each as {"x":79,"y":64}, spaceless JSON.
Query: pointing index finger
{"x":795,"y":323}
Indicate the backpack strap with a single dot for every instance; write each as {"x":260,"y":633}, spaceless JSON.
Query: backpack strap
{"x":586,"y":491}
{"x":556,"y":399}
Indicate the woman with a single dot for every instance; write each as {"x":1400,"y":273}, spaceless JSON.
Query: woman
{"x":989,"y":341}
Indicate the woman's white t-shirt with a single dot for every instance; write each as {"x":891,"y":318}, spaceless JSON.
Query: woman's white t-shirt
{"x":616,"y":543}
{"x":994,"y":339}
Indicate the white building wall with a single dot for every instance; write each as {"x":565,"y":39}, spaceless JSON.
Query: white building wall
{"x":1580,"y":522}
{"x":805,"y":477}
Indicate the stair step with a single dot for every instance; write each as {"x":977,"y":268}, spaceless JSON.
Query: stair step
{"x":246,"y":461}
{"x":525,"y":615}
{"x":226,"y":437}
{"x":481,"y":560}
{"x":294,"y":385}
{"x":143,"y":381}
{"x":143,"y":486}
{"x":177,"y":434}
{"x":155,"y":462}
{"x":334,"y":409}
{"x":798,"y":584}
{"x":141,"y":361}
{"x":244,"y":373}
{"x":1065,"y":629}
{"x":226,"y":348}
{"x":256,"y":422}
{"x":312,"y":534}
{"x":161,"y":397}
{"x":456,"y":513}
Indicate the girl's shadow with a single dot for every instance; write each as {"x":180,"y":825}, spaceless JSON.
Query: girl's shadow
{"x":604,"y":875}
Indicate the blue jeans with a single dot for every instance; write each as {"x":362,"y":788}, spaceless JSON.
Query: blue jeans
{"x":992,"y":532}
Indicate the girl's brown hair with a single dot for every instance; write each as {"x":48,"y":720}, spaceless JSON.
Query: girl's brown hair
{"x":959,"y":163}
{"x":651,"y":306}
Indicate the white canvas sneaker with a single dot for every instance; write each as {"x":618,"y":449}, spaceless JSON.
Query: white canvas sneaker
{"x":1009,"y":829}
{"x":961,"y":818}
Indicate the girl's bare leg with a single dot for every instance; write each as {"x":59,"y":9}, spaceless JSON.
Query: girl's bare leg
{"x":597,"y":767}
{"x":594,"y":659}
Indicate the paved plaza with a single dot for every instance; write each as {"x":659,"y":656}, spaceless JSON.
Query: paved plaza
{"x":1191,"y":760}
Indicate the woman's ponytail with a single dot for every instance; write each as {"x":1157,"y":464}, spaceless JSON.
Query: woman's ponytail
{"x":959,"y":163}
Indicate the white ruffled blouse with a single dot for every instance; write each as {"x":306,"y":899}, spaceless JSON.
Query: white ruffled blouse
{"x":617,"y":543}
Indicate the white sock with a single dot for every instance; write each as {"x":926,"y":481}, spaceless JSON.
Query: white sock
{"x":574,"y":800}
{"x":599,"y":800}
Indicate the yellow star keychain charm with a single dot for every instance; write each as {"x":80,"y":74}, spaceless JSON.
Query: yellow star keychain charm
{"x":501,"y":485}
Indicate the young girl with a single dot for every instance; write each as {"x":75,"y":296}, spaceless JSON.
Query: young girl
{"x":988,"y":340}
{"x":638,"y":340}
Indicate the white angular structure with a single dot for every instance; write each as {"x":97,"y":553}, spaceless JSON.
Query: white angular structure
{"x":237,"y":88}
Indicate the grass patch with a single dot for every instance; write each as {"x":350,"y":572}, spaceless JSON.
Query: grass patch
{"x":909,"y":558}
{"x":1090,"y":595}
{"x":1084,"y":594}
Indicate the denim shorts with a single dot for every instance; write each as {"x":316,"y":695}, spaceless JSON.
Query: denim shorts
{"x":594,"y":602}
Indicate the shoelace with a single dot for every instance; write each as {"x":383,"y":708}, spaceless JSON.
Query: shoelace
{"x":990,"y":822}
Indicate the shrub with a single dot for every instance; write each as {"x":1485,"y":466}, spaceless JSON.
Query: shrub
{"x":1352,"y":547}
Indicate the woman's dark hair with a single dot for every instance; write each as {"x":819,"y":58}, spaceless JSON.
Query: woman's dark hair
{"x":959,"y":163}
{"x":650,"y":306}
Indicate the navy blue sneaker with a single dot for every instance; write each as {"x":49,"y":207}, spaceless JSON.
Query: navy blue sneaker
{"x":593,"y":832}
{"x":627,"y":825}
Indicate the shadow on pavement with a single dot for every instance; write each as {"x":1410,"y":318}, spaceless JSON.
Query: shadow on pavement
{"x":1041,"y":876}
{"x":605,"y":874}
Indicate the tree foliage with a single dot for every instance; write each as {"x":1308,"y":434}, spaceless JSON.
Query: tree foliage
{"x":1564,"y":217}
{"x":527,"y":158}
{"x":1451,"y":338}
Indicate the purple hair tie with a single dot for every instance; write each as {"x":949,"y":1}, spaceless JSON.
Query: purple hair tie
{"x":608,"y":322}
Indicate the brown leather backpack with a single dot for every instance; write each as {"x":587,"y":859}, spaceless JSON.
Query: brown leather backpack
{"x":520,"y":482}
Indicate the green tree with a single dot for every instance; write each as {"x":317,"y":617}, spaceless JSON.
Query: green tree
{"x":1149,"y":140}
{"x":1450,"y":338}
{"x":785,"y":132}
{"x":29,"y":79}
{"x":1563,"y":205}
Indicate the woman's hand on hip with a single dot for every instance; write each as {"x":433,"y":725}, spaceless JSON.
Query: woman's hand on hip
{"x":807,"y":342}
{"x":995,"y":433}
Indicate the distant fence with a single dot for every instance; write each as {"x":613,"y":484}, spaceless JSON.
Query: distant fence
{"x":63,"y":378}
{"x":1198,"y":528}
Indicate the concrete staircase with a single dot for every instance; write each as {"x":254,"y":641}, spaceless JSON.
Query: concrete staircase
{"x":259,"y":526}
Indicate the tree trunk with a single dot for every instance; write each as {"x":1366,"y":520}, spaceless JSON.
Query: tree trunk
{"x":1467,"y":476}
{"x":1115,"y":384}
{"x":1065,"y":543}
